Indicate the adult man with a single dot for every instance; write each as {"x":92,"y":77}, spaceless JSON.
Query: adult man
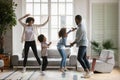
{"x":82,"y":42}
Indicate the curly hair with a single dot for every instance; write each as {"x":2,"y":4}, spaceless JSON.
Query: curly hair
{"x":62,"y":32}
{"x":30,"y":19}
{"x":79,"y":17}
{"x":41,"y":37}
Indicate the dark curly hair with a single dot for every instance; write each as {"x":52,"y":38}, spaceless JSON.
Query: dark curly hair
{"x":79,"y":17}
{"x":29,"y":19}
{"x":62,"y":32}
{"x":41,"y":37}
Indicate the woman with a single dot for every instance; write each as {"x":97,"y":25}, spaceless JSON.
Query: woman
{"x":29,"y":33}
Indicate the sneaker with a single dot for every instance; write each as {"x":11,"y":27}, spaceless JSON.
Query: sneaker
{"x":42,"y":73}
{"x":24,"y":69}
{"x":87,"y":75}
{"x":65,"y":69}
{"x":91,"y":72}
{"x":62,"y":70}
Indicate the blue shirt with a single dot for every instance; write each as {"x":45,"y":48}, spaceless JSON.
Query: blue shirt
{"x":62,"y":42}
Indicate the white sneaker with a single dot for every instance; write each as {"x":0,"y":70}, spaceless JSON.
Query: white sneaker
{"x":65,"y":69}
{"x":87,"y":75}
{"x":42,"y":73}
{"x":24,"y":69}
{"x":62,"y":70}
{"x":91,"y":72}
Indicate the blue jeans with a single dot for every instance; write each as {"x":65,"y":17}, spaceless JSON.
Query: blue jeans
{"x":82,"y":58}
{"x":63,"y":55}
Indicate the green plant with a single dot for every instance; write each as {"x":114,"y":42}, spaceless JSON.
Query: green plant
{"x":7,"y":19}
{"x":96,"y":46}
{"x":7,"y":15}
{"x":108,"y":44}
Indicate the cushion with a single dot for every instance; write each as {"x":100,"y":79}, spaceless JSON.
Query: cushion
{"x":1,"y":63}
{"x":53,"y":53}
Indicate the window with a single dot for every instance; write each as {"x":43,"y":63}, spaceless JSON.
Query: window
{"x":61,"y":15}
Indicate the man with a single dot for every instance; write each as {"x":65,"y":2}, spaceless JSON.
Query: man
{"x":82,"y":42}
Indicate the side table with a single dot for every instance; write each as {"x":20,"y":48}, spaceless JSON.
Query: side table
{"x":6,"y":59}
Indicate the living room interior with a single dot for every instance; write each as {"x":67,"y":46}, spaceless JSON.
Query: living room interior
{"x":102,"y":20}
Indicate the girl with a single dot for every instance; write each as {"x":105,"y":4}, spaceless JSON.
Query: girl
{"x":44,"y":54}
{"x":28,"y":36}
{"x":62,"y":42}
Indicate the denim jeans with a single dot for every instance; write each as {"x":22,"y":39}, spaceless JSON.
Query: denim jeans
{"x":82,"y":58}
{"x":63,"y":55}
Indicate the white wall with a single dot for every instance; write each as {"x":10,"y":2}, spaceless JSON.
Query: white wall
{"x":81,"y":7}
{"x":117,"y":58}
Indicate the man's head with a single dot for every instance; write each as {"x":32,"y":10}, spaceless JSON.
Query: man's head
{"x":78,"y":19}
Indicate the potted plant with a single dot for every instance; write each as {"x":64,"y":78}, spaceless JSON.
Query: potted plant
{"x":7,"y":19}
{"x":108,"y":44}
{"x":96,"y":46}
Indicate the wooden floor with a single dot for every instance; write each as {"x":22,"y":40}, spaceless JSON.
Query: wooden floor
{"x":56,"y":75}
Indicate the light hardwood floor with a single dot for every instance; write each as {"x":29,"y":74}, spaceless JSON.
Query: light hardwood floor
{"x":56,"y":75}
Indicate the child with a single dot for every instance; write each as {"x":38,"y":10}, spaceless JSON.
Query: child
{"x":44,"y":54}
{"x":62,"y":42}
{"x":29,"y":37}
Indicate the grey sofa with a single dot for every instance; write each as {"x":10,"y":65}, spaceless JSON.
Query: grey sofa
{"x":54,"y":59}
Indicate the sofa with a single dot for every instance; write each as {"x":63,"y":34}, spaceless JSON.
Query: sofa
{"x":54,"y":59}
{"x":106,"y":61}
{"x":1,"y":65}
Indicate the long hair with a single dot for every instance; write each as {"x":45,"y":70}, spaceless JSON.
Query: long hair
{"x":62,"y":32}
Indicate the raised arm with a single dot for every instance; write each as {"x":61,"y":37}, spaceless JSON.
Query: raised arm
{"x":20,"y":20}
{"x":64,"y":42}
{"x":73,"y":29}
{"x":49,"y":43}
{"x":41,"y":25}
{"x":46,"y":45}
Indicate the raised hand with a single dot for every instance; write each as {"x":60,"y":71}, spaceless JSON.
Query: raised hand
{"x":49,"y":43}
{"x":71,"y":44}
{"x":73,"y":29}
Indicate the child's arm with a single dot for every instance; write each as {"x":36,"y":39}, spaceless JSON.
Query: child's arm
{"x":44,"y":46}
{"x":49,"y":43}
{"x":64,"y":42}
{"x":73,"y":29}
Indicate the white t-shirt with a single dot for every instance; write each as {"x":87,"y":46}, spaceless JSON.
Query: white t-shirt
{"x":44,"y":47}
{"x":29,"y":33}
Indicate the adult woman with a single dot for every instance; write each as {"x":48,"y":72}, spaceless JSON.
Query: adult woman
{"x":29,"y":33}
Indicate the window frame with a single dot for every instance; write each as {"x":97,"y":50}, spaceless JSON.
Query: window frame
{"x":49,"y":37}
